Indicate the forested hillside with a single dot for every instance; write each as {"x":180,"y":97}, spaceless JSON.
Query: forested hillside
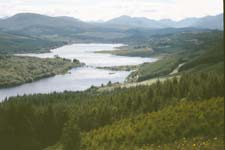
{"x":140,"y":117}
{"x":185,"y":111}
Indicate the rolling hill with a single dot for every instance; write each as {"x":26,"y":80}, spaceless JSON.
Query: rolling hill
{"x":27,"y":20}
{"x":17,"y":43}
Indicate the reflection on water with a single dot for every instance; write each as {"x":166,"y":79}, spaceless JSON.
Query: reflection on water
{"x":78,"y":78}
{"x":85,"y":53}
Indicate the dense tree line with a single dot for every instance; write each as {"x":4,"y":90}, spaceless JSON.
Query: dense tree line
{"x":38,"y":121}
{"x":23,"y":127}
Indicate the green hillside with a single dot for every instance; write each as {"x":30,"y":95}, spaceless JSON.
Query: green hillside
{"x":198,"y":52}
{"x":145,"y":116}
{"x":185,"y":120}
{"x":183,"y":111}
{"x":13,"y":43}
{"x":16,"y":70}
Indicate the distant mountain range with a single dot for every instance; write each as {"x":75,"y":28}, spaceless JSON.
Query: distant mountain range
{"x":208,"y":22}
{"x":26,"y":20}
{"x":42,"y":31}
{"x":31,"y":21}
{"x":136,"y":22}
{"x":69,"y":29}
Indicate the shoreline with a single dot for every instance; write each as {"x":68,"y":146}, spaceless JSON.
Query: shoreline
{"x":114,"y":68}
{"x":37,"y":79}
{"x":64,"y":70}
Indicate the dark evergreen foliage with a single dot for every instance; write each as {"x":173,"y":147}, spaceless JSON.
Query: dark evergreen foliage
{"x":38,"y":121}
{"x":71,"y":138}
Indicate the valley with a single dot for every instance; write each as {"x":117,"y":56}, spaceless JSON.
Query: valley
{"x":128,"y":83}
{"x":78,"y":62}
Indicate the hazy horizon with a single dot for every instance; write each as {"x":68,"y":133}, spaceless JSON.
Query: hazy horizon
{"x":94,"y":10}
{"x":107,"y":19}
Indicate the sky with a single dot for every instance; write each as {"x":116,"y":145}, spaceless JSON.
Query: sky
{"x":92,"y":10}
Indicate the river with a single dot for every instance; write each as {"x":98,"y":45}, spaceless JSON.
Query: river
{"x":82,"y":78}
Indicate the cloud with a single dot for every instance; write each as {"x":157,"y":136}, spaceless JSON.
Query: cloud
{"x":102,"y":9}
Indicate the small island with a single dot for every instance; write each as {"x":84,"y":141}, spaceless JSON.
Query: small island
{"x":121,"y":68}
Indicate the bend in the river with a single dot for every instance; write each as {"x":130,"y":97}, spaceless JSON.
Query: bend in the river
{"x":79,"y":78}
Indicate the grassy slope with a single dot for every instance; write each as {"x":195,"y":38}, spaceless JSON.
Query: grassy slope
{"x":17,"y":70}
{"x":159,"y":68}
{"x":134,"y":84}
{"x":211,"y":60}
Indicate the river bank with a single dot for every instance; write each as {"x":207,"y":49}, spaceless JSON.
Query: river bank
{"x":78,"y":79}
{"x":17,"y":70}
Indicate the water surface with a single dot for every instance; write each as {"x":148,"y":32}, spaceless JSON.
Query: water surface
{"x":85,"y":53}
{"x":82,"y":78}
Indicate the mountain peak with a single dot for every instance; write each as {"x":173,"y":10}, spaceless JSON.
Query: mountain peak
{"x":124,"y":16}
{"x":25,"y":20}
{"x":28,"y":15}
